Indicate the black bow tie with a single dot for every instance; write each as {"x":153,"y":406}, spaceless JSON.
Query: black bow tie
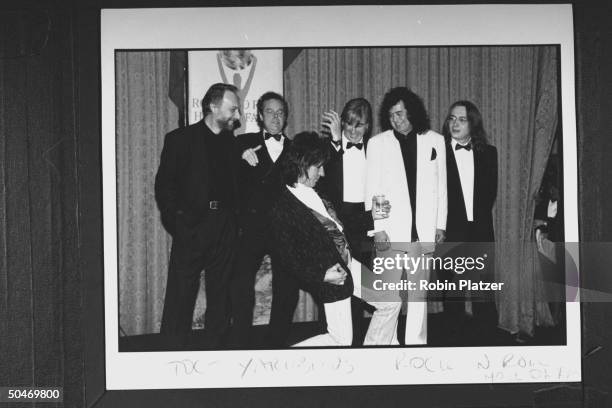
{"x":269,"y":135}
{"x":467,"y":147}
{"x":357,"y":145}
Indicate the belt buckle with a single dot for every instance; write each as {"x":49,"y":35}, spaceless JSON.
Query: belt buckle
{"x":213,"y":205}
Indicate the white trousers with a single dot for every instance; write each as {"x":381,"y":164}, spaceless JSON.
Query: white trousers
{"x":381,"y":331}
{"x":416,"y":308}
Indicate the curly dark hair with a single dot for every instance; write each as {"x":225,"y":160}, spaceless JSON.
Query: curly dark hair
{"x":415,"y":108}
{"x":356,"y":110}
{"x":477,"y":132}
{"x":307,"y":149}
{"x":266,"y":97}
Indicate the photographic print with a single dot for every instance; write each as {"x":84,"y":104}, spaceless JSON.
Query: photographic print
{"x":183,"y":313}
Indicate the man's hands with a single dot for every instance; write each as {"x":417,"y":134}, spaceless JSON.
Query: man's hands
{"x":440,"y":235}
{"x":331,"y":121}
{"x":381,"y":240}
{"x":250,"y":156}
{"x":386,"y":209}
{"x":335,"y":275}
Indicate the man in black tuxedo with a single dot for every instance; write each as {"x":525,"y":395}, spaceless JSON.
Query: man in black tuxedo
{"x":471,"y":165}
{"x":259,"y":185}
{"x":196,"y":192}
{"x":344,"y":181}
{"x":344,"y":186}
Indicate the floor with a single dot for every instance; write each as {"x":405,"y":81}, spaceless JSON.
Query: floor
{"x":442,"y":331}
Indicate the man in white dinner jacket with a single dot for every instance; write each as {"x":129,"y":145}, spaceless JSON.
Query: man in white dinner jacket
{"x":407,"y":164}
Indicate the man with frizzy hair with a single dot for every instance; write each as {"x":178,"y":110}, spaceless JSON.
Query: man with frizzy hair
{"x":311,"y":248}
{"x":406,"y":164}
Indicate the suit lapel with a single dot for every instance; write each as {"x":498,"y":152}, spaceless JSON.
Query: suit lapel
{"x":263,"y":154}
{"x":284,"y":151}
{"x":423,"y":154}
{"x":395,"y":161}
{"x":477,"y":180}
{"x":454,"y":180}
{"x":339,"y":177}
{"x":200,"y":154}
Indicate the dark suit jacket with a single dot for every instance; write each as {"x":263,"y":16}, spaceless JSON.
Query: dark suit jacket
{"x":303,"y":248}
{"x":331,"y":187}
{"x":485,"y":192}
{"x":183,"y":179}
{"x":258,"y":184}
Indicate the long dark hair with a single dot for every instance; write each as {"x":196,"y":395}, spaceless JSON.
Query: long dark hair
{"x":477,"y":132}
{"x":307,"y":149}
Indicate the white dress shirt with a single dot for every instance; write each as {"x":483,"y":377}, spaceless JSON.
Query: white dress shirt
{"x":353,"y":173}
{"x":465,"y":165}
{"x":275,"y":148}
{"x":311,"y":199}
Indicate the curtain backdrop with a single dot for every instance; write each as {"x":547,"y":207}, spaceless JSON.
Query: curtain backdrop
{"x":144,"y":115}
{"x":514,"y":87}
{"x":516,"y":91}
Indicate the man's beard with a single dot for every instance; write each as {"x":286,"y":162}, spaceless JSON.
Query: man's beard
{"x":230,"y":125}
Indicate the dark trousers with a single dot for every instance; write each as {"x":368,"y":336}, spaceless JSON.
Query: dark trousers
{"x":254,"y":243}
{"x":483,"y":303}
{"x":285,"y":295}
{"x":208,"y":246}
{"x":351,"y":215}
{"x":252,"y":247}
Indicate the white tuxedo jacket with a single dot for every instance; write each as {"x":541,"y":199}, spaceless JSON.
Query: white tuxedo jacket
{"x":386,"y":175}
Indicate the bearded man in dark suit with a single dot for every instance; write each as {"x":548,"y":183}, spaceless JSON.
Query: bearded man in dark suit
{"x":196,"y":192}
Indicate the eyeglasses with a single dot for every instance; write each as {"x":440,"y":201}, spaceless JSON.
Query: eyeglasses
{"x":276,"y":114}
{"x":462,"y":119}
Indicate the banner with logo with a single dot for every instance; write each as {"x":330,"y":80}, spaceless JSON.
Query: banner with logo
{"x":253,"y":72}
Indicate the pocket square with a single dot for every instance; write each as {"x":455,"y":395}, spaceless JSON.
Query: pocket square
{"x":434,"y":154}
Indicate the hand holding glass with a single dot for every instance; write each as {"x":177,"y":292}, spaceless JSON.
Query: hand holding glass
{"x":380,"y":207}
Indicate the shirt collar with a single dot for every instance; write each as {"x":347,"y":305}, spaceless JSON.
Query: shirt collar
{"x":345,"y":141}
{"x":399,"y":136}
{"x":265,"y":132}
{"x":300,"y":186}
{"x":455,"y":143}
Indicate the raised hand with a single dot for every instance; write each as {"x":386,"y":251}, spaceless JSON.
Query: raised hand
{"x":331,"y":121}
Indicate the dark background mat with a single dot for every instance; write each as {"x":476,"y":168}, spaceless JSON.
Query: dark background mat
{"x":51,"y":300}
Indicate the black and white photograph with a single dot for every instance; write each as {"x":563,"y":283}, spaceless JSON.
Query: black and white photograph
{"x":270,"y":202}
{"x":304,"y":204}
{"x":152,"y":92}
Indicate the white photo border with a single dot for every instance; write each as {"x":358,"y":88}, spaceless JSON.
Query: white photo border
{"x":309,"y":26}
